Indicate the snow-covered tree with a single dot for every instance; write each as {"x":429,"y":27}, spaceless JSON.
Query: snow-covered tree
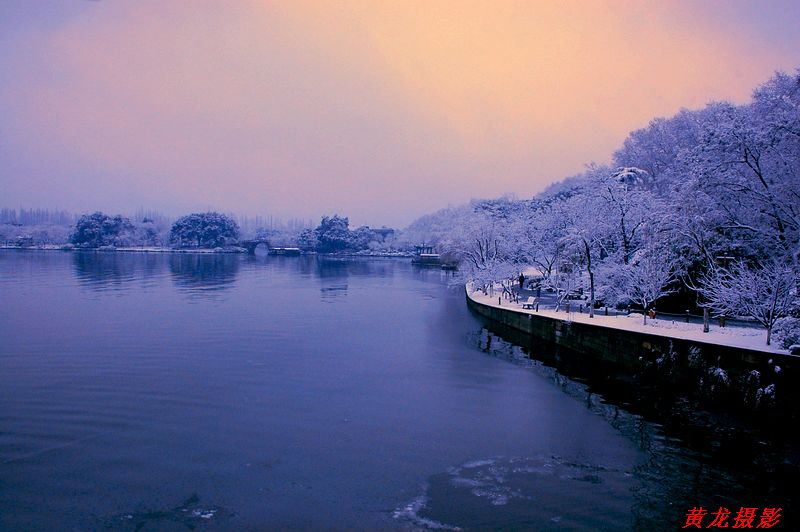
{"x":693,"y":225}
{"x":361,"y":237}
{"x":626,"y":206}
{"x":715,"y":184}
{"x":307,"y":240}
{"x":333,"y":234}
{"x":656,"y":148}
{"x":536,"y":237}
{"x":648,"y":277}
{"x":482,"y":246}
{"x":764,"y":292}
{"x":586,"y":229}
{"x":207,"y":229}
{"x":99,"y":229}
{"x":147,"y":233}
{"x":437,"y":229}
{"x":749,"y":169}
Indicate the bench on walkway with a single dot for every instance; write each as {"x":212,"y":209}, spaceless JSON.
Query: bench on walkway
{"x":530,"y":303}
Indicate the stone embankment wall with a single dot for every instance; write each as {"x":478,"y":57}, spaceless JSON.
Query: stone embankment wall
{"x":752,"y":378}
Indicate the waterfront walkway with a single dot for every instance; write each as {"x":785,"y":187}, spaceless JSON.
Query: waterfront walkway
{"x":732,"y":336}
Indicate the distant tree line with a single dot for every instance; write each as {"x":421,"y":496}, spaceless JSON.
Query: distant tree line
{"x":198,"y":230}
{"x":35,"y":217}
{"x":333,"y":235}
{"x":249,"y":225}
{"x":700,"y":210}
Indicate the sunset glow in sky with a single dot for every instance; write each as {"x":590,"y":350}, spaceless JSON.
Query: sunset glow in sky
{"x":379,"y":110}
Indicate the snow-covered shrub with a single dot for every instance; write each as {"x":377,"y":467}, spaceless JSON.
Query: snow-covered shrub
{"x":765,"y":396}
{"x":695,"y":357}
{"x":718,"y":380}
{"x":719,"y":375}
{"x":787,"y":331}
{"x":666,"y":362}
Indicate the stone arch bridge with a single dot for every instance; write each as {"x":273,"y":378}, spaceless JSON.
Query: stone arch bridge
{"x":251,"y":245}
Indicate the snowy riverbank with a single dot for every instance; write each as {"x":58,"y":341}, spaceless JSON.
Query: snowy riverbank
{"x":731,"y":336}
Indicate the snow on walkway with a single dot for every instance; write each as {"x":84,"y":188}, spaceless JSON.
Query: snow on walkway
{"x":732,"y":336}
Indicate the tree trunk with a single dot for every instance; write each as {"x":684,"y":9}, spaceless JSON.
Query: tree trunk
{"x":705,"y":320}
{"x":591,"y":278}
{"x":771,"y":315}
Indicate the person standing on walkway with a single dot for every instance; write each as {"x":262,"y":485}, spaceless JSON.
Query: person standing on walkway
{"x":521,"y":281}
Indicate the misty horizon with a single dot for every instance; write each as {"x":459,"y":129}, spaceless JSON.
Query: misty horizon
{"x":376,"y":112}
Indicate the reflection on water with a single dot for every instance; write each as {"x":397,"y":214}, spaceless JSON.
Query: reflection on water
{"x":333,"y":273}
{"x":693,"y":457}
{"x":148,"y":378}
{"x":101,"y":271}
{"x":195,"y":273}
{"x":204,"y":273}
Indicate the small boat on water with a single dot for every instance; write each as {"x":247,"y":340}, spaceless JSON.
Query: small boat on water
{"x":427,"y":259}
{"x":425,"y":256}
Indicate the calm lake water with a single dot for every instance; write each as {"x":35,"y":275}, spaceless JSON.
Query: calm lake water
{"x":226,"y":392}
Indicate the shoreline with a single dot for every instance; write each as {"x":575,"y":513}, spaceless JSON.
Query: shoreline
{"x":754,"y":377}
{"x":748,"y":342}
{"x":202,"y":251}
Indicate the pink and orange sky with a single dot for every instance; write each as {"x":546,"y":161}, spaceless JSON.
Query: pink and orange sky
{"x":379,"y":110}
